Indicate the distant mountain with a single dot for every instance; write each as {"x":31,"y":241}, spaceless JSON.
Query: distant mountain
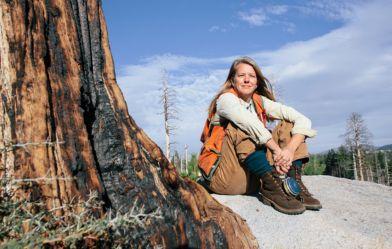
{"x":385,"y":147}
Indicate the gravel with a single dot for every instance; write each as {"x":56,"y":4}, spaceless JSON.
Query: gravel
{"x":354,"y":215}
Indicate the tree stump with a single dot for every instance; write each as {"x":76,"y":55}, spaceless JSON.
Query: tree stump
{"x":64,"y":125}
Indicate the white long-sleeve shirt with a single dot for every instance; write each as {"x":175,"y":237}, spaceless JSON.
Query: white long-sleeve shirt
{"x":244,"y":115}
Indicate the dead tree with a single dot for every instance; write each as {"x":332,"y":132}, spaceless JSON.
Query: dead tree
{"x":186,"y":158}
{"x":169,"y":112}
{"x":386,"y":169}
{"x":357,"y":136}
{"x":64,"y":123}
{"x":355,"y":166}
{"x":378,"y":171}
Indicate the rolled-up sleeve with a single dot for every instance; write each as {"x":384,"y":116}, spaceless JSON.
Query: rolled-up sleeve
{"x":229,"y":107}
{"x":302,"y":124}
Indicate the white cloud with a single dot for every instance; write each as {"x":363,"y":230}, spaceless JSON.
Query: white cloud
{"x":268,"y":15}
{"x":217,"y":28}
{"x":194,"y":80}
{"x":255,"y":17}
{"x":289,"y":27}
{"x":326,"y":78}
{"x":330,"y":9}
{"x":277,"y":9}
{"x":214,"y":28}
{"x":260,"y":16}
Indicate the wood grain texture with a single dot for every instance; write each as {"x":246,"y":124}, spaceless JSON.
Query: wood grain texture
{"x":64,"y":118}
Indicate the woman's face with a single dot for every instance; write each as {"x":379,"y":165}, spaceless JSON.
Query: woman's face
{"x":245,"y":81}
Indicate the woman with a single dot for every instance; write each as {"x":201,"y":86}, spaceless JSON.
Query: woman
{"x":238,"y":150}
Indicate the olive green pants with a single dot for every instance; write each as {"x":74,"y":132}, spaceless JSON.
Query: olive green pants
{"x":231,"y":177}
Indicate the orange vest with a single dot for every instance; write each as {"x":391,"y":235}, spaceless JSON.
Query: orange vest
{"x":213,"y":134}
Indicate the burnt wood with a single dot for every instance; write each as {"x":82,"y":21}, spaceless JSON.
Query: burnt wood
{"x":64,"y":122}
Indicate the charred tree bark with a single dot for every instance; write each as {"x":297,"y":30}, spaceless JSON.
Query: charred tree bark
{"x":64,"y":122}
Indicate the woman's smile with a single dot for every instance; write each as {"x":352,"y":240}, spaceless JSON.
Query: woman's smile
{"x":245,"y":81}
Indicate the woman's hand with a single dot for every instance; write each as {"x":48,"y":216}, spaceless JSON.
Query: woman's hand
{"x":280,"y":170}
{"x":280,"y":161}
{"x":285,"y":160}
{"x":277,"y":156}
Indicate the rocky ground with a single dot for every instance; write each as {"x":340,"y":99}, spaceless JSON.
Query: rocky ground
{"x":354,"y":215}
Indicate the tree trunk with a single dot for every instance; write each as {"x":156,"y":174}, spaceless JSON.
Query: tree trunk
{"x":378,"y":171}
{"x":355,"y":167}
{"x":64,"y":124}
{"x":386,"y":168}
{"x":360,"y":164}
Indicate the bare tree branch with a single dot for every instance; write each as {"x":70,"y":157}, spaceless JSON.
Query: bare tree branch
{"x":169,"y":112}
{"x":357,"y":138}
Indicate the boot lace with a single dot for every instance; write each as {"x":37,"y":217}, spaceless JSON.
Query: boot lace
{"x":302,"y":186}
{"x":278,"y":182}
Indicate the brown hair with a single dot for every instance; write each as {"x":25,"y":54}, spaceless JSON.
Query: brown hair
{"x":262,"y":82}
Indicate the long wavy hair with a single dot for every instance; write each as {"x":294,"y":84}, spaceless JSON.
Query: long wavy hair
{"x":263,"y":85}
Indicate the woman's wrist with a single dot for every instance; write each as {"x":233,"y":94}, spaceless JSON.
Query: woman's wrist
{"x":292,"y":149}
{"x":273,"y":146}
{"x":295,"y":141}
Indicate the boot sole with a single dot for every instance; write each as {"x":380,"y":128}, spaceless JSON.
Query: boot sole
{"x":269,"y":202}
{"x":313,"y":207}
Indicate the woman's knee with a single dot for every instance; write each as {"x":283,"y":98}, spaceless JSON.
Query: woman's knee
{"x":229,"y":183}
{"x":243,"y":144}
{"x":282,"y":136}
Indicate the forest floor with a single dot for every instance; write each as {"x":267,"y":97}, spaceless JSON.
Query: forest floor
{"x":354,"y":215}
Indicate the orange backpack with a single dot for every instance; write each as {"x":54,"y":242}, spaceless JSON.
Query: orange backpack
{"x":212,"y":138}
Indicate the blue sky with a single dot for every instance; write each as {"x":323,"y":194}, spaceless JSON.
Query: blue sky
{"x":140,"y":29}
{"x":325,"y":58}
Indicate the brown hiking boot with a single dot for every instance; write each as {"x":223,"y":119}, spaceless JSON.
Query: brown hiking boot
{"x":304,"y":196}
{"x":272,"y":194}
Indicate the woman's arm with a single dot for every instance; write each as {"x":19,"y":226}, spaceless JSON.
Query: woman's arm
{"x":301,"y":130}
{"x":287,"y":154}
{"x":302,"y":125}
{"x":277,"y":156}
{"x":230,"y":107}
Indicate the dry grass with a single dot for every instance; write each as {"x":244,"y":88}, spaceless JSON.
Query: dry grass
{"x":29,"y":224}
